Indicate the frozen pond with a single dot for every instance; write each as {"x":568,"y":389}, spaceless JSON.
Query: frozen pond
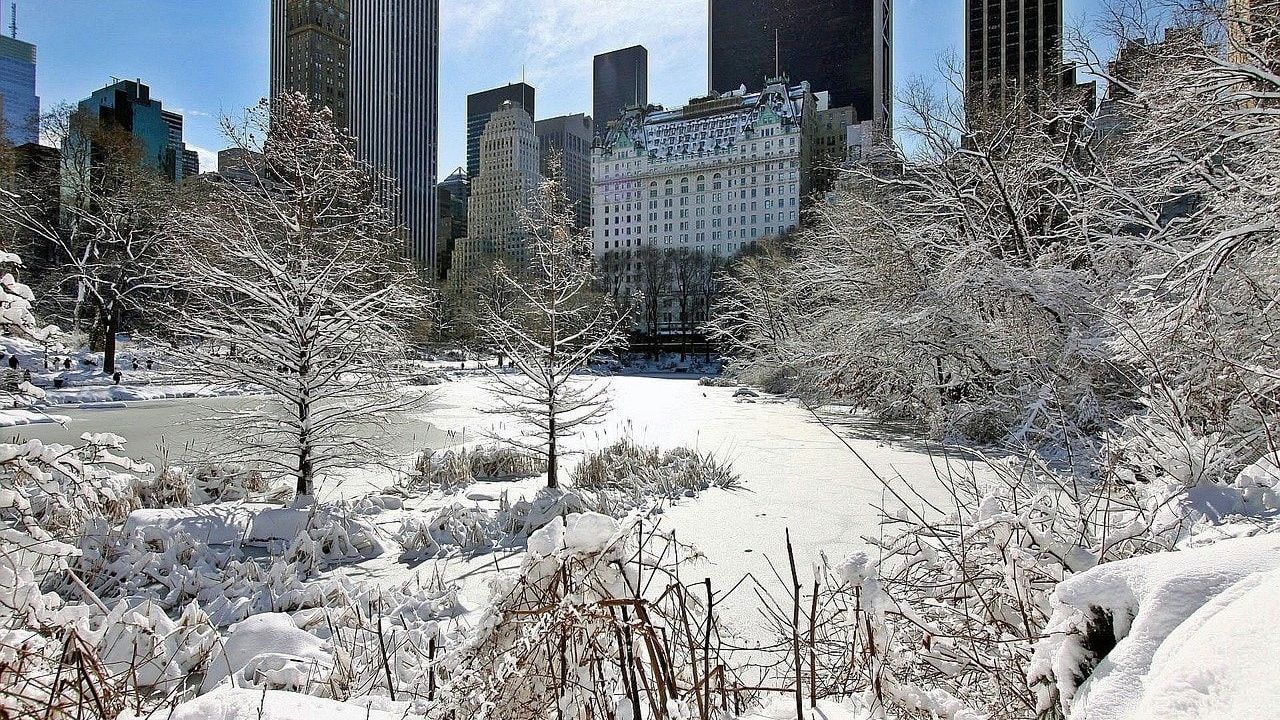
{"x":797,"y":474}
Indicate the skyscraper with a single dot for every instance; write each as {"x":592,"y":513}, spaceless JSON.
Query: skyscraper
{"x":190,"y":163}
{"x":127,"y":106}
{"x":19,"y":105}
{"x":840,"y":46}
{"x":507,"y":180}
{"x":1012,"y":44}
{"x":483,"y":104}
{"x":375,"y":63}
{"x":570,"y":136}
{"x":620,"y":79}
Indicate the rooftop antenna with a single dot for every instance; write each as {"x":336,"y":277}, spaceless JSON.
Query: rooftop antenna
{"x":777,"y":65}
{"x":13,"y":20}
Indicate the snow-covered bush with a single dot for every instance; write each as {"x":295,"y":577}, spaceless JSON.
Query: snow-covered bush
{"x":466,"y":527}
{"x":53,"y":491}
{"x":946,"y":619}
{"x":450,"y":470}
{"x":649,"y":472}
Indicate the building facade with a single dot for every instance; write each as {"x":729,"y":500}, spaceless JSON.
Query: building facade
{"x":1012,"y":44}
{"x":843,"y":47}
{"x":19,"y":104}
{"x":482,"y":105}
{"x":715,"y":176}
{"x":375,"y":64}
{"x":619,"y":80}
{"x":509,"y":157}
{"x":570,"y":137}
{"x":311,"y":52}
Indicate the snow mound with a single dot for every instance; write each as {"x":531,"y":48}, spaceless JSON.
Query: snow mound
{"x":1177,"y":635}
{"x":268,"y":650}
{"x":241,"y":704}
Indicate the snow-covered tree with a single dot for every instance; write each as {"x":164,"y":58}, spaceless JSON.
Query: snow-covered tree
{"x":298,"y":287}
{"x":552,"y":328}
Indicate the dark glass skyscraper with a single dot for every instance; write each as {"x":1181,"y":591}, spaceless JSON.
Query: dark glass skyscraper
{"x":483,"y":104}
{"x":1012,"y":43}
{"x":840,"y":46}
{"x":620,"y":79}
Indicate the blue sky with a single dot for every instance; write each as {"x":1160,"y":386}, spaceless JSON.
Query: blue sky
{"x":207,"y":58}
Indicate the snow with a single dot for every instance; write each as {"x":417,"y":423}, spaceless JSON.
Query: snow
{"x":96,"y":394}
{"x":268,"y":648}
{"x":1195,"y":635}
{"x":215,"y":524}
{"x":241,"y":704}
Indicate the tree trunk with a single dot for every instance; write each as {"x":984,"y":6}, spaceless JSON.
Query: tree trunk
{"x":305,"y":485}
{"x":553,"y":481}
{"x":109,"y":342}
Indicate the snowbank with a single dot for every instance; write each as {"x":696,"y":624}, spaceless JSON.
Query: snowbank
{"x":1178,"y":635}
{"x":240,"y":704}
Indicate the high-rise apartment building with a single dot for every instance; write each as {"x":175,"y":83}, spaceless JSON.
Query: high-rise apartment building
{"x":19,"y":104}
{"x":481,"y":105}
{"x":508,"y":178}
{"x":1253,"y":32}
{"x":127,"y":106}
{"x":375,"y":64}
{"x":841,"y":46}
{"x":620,"y":79}
{"x":569,"y":136}
{"x":1012,"y":44}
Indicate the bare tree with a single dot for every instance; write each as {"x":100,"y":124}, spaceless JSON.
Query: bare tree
{"x":653,"y":276}
{"x":299,"y":289}
{"x":553,"y":328}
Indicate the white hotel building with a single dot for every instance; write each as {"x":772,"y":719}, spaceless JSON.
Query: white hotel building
{"x":716,"y":175}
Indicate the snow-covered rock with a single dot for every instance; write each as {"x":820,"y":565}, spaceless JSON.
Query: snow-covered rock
{"x":268,"y":650}
{"x":1177,"y":635}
